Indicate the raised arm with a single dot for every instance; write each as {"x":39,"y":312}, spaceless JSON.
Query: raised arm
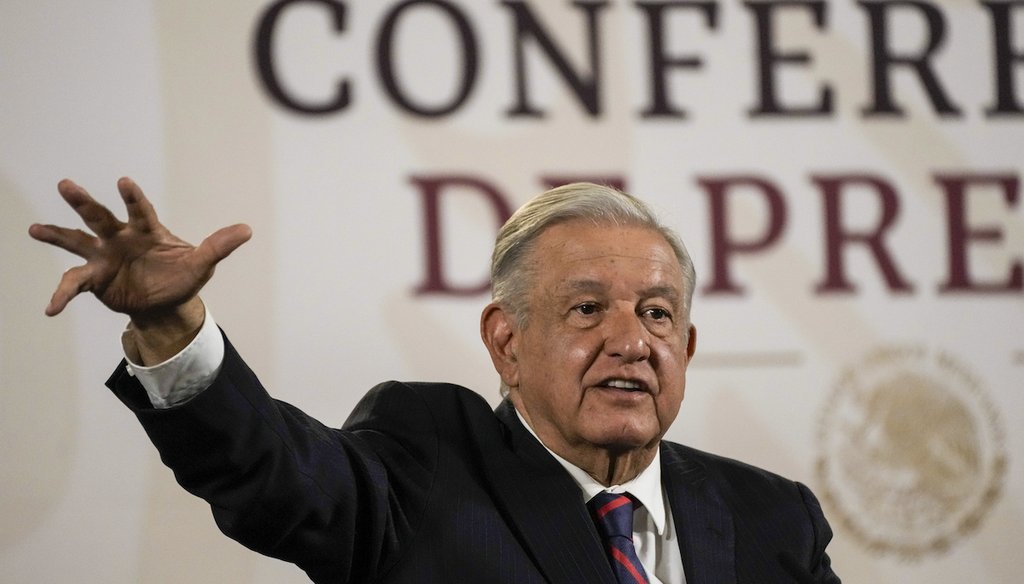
{"x":138,"y":268}
{"x":338,"y":503}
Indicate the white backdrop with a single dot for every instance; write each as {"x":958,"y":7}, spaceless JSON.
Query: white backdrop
{"x":897,"y":401}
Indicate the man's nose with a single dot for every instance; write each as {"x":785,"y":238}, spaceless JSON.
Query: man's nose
{"x":626,"y":337}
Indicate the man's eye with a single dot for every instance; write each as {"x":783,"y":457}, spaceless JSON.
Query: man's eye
{"x":658,"y":314}
{"x":587,"y":309}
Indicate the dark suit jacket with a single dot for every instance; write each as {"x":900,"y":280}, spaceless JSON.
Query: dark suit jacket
{"x":426,"y":484}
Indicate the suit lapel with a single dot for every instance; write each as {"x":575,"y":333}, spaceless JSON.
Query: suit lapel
{"x":703,"y":522}
{"x":543,"y":504}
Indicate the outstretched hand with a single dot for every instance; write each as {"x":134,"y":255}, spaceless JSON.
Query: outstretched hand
{"x":138,"y":268}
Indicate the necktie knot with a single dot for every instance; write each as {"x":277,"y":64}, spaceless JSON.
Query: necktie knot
{"x":613,"y":516}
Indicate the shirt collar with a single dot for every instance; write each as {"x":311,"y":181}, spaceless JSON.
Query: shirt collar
{"x":645,"y":488}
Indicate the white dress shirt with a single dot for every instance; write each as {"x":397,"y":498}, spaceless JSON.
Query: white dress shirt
{"x":184,"y":375}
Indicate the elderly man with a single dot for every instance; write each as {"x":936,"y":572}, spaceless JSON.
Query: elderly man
{"x":568,"y":481}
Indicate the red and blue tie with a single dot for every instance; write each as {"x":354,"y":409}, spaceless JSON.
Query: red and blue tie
{"x":613,"y":515}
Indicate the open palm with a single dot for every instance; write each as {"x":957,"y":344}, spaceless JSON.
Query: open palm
{"x":138,"y":268}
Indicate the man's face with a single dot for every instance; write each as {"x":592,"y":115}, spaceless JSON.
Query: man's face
{"x":602,"y":361}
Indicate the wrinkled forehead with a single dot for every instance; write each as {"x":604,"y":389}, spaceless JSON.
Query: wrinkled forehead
{"x":568,"y":249}
{"x":590,"y":237}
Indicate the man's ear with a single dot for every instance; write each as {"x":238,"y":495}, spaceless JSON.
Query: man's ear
{"x":691,"y":342}
{"x":501,"y":337}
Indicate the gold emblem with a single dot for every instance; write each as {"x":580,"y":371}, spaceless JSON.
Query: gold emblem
{"x":912,"y":453}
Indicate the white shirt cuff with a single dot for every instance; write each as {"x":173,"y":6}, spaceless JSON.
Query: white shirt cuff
{"x":184,"y":375}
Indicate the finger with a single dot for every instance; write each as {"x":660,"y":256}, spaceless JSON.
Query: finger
{"x":221,"y":243}
{"x":141,"y":214}
{"x":75,"y":241}
{"x":97,"y":217}
{"x":72,"y":283}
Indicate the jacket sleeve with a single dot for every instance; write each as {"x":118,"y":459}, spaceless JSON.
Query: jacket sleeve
{"x":819,"y":564}
{"x":285,"y":485}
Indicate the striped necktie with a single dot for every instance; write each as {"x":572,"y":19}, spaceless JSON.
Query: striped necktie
{"x":613,"y":515}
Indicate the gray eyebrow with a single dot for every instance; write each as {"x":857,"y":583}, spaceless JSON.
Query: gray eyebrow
{"x":586,"y":285}
{"x":670,"y":292}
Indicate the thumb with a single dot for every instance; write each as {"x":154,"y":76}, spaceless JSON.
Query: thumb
{"x":221,"y":243}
